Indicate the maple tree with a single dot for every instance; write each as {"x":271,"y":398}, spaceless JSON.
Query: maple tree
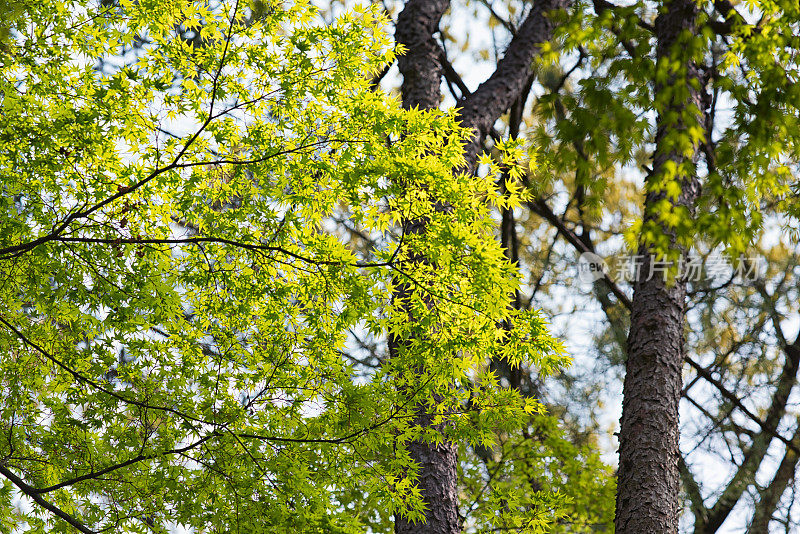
{"x":178,"y":305}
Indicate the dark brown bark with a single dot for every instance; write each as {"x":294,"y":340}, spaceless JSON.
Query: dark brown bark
{"x":421,"y":64}
{"x":648,"y":477}
{"x":422,"y":67}
{"x":438,"y":483}
{"x":493,"y":97}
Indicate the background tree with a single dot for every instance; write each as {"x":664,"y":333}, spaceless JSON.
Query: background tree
{"x":421,"y":66}
{"x":603,"y":113}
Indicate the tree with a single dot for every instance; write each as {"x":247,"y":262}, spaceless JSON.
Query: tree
{"x":647,"y":496}
{"x":178,"y":307}
{"x":687,"y":110}
{"x":421,"y":67}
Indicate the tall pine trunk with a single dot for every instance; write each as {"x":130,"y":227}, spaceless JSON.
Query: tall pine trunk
{"x":648,"y":478}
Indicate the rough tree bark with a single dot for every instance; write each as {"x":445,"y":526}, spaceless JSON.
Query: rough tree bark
{"x":421,"y":67}
{"x":480,"y":110}
{"x":648,"y":477}
{"x":657,"y":350}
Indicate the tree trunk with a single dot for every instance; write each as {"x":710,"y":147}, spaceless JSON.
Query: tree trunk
{"x":648,"y":478}
{"x":480,"y":110}
{"x":421,"y":67}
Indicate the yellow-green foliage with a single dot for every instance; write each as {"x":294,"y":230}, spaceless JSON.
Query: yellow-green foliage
{"x":174,"y":300}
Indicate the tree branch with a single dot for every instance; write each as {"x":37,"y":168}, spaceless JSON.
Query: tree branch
{"x":493,"y":97}
{"x":41,"y":501}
